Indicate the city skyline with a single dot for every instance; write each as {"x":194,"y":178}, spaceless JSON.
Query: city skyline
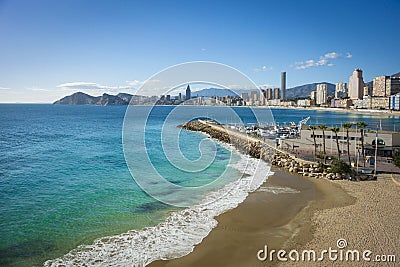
{"x":55,"y":49}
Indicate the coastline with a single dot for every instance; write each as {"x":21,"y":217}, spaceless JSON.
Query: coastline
{"x":265,"y":218}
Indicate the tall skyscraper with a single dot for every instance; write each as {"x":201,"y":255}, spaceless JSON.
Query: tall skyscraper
{"x":356,"y":85}
{"x":269,"y":93}
{"x":283,"y":85}
{"x":276,"y":93}
{"x":341,"y":90}
{"x":322,"y":94}
{"x":188,"y":93}
{"x":313,"y":95}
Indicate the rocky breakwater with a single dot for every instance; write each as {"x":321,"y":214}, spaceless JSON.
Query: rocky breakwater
{"x":305,"y":168}
{"x":258,"y":149}
{"x":244,"y":144}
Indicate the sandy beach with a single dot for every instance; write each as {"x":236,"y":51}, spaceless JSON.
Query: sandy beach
{"x":371,"y":223}
{"x":365,"y":214}
{"x":265,"y":218}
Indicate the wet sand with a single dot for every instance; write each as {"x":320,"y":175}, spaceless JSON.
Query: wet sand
{"x":265,"y":218}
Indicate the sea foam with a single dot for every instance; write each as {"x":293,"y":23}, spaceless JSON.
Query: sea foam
{"x":178,"y":234}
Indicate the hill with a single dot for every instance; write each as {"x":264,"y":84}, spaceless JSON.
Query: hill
{"x":304,"y":91}
{"x":80,"y":98}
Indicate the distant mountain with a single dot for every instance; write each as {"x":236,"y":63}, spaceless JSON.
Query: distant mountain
{"x":124,"y":96}
{"x":396,"y":75}
{"x":80,"y":98}
{"x":304,"y":91}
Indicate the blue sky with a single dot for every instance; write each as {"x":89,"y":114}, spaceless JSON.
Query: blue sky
{"x":49,"y":49}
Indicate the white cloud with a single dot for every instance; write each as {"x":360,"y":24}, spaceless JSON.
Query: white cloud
{"x":39,"y":89}
{"x":134,"y":83}
{"x":263,"y":68}
{"x":322,"y":61}
{"x":88,"y":86}
{"x":331,"y":55}
{"x":4,"y":88}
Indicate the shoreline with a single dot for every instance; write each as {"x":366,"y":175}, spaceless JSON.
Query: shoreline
{"x":296,"y":228}
{"x":285,"y":218}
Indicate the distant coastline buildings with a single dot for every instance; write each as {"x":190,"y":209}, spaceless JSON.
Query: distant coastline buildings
{"x":356,"y":85}
{"x":382,"y":93}
{"x":283,"y":85}
{"x":340,"y":90}
{"x":322,"y":94}
{"x":188,"y":93}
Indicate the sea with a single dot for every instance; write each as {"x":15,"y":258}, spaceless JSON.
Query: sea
{"x":73,"y":179}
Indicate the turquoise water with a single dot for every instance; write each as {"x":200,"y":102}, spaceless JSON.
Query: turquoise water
{"x":64,"y":180}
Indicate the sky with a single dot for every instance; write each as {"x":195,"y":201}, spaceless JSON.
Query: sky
{"x":50,"y":49}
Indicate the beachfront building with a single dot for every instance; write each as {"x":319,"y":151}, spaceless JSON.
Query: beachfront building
{"x":395,"y":102}
{"x":341,"y":103}
{"x":380,"y":102}
{"x":254,"y":98}
{"x":384,"y":86}
{"x":356,"y":85}
{"x":245,"y":97}
{"x":303,"y":102}
{"x":276,"y":93}
{"x":388,"y":142}
{"x":322,"y":94}
{"x":269,"y":93}
{"x":274,"y":102}
{"x":341,"y":90}
{"x":283,"y":86}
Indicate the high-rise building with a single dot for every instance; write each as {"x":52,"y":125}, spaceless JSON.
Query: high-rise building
{"x":254,"y":96}
{"x":276,"y":93}
{"x":269,"y":93}
{"x":180,"y":96}
{"x":188,"y":93}
{"x":313,"y":95}
{"x":245,"y":96}
{"x":356,"y":85}
{"x":283,"y":85}
{"x":385,"y":86}
{"x":341,"y":90}
{"x":322,"y":94}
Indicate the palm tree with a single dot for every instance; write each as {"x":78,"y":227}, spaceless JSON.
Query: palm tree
{"x":313,"y":128}
{"x":323,"y":128}
{"x":347,"y":126}
{"x":362,"y":125}
{"x":336,"y":130}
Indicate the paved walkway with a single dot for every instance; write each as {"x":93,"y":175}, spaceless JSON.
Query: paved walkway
{"x":244,"y":136}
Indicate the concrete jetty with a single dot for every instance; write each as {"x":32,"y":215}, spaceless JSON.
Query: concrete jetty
{"x":261,"y":149}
